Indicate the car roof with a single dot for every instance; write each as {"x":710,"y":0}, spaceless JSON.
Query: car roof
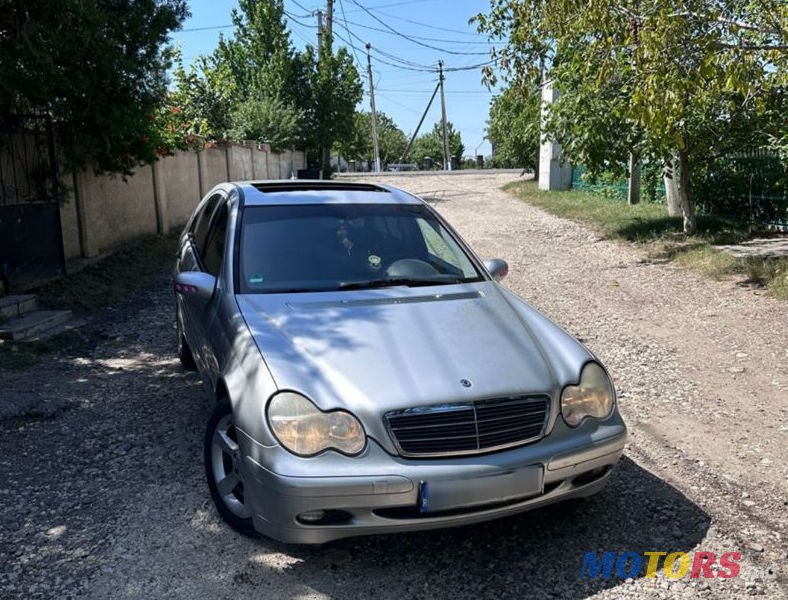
{"x":331,"y":191}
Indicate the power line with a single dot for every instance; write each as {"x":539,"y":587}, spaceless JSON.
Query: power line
{"x":404,"y":65}
{"x":481,"y":92}
{"x":403,"y":61}
{"x":429,"y":26}
{"x":296,"y":19}
{"x":397,"y":59}
{"x":407,"y":65}
{"x":350,"y":34}
{"x":309,"y":12}
{"x":471,"y":67}
{"x":378,"y":7}
{"x":418,"y":37}
{"x":415,"y":41}
{"x":194,"y":29}
{"x":398,"y":103}
{"x":301,"y":36}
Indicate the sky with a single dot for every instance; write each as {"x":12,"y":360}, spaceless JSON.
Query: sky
{"x":402,"y":94}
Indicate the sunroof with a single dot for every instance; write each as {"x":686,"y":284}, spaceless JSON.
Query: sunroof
{"x":316,"y":186}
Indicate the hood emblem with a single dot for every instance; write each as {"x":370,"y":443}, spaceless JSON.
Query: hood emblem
{"x":466,"y":382}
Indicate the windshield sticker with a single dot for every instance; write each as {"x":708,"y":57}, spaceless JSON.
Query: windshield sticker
{"x":374,"y":261}
{"x":256,"y":279}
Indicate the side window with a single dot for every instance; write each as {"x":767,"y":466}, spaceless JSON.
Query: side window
{"x":214,"y":248}
{"x":203,"y":221}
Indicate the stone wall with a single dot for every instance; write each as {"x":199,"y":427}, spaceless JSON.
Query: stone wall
{"x":104,"y":212}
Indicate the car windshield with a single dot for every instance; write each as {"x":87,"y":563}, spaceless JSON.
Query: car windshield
{"x":322,"y":247}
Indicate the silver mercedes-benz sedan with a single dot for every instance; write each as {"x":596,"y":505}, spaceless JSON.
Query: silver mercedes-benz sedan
{"x":370,"y":374}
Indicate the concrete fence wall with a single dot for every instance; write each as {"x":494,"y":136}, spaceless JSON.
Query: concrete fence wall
{"x":105,"y":212}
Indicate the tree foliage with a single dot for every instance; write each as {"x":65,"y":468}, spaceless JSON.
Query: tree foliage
{"x":97,"y":67}
{"x":267,"y":120}
{"x":203,"y":97}
{"x":239,"y":89}
{"x":391,"y":139}
{"x":259,"y":57}
{"x":513,"y":127}
{"x":674,"y":81}
{"x":431,"y":144}
{"x":334,"y":89}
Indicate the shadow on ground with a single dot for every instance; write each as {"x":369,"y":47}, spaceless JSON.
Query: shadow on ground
{"x":536,"y":554}
{"x":714,"y":230}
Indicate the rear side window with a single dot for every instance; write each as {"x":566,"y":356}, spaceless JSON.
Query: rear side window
{"x":217,"y":237}
{"x":203,"y":221}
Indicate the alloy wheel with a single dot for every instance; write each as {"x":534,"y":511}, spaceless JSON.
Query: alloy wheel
{"x":225,"y":467}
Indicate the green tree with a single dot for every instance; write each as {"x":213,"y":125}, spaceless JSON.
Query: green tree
{"x":260,"y":59}
{"x":391,"y":139}
{"x":431,"y":144}
{"x":513,"y":127}
{"x":268,"y":120}
{"x":678,"y":83}
{"x":240,"y":88}
{"x":203,"y":98}
{"x":334,"y":90}
{"x":98,"y":68}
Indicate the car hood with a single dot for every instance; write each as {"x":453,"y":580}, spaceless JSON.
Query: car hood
{"x":378,"y":350}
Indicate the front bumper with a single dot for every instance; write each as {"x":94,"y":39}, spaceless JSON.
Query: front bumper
{"x":379,"y":493}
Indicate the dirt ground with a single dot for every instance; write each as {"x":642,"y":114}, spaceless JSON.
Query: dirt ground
{"x":103,"y":492}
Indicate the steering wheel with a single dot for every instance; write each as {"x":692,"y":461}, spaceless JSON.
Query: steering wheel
{"x":411,"y":268}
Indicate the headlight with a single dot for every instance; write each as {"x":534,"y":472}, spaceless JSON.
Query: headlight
{"x":302,"y":428}
{"x":592,"y":397}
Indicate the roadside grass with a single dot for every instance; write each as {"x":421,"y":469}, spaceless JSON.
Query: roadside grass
{"x":648,"y":225}
{"x":105,"y":282}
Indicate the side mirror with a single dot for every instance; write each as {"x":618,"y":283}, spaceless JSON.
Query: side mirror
{"x":497,"y":268}
{"x":195,"y":284}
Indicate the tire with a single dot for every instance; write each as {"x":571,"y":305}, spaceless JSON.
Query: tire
{"x":184,"y":352}
{"x":222,"y":469}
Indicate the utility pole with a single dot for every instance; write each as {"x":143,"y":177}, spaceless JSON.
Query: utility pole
{"x":326,"y":151}
{"x":374,"y":114}
{"x":319,"y":31}
{"x":330,"y":21}
{"x":446,"y":152}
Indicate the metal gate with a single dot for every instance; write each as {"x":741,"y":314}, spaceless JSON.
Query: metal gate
{"x":31,"y":239}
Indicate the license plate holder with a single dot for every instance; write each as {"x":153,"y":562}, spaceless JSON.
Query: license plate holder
{"x":450,"y":494}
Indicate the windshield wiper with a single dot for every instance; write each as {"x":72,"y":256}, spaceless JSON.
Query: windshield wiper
{"x":394,"y":282}
{"x":295,"y":290}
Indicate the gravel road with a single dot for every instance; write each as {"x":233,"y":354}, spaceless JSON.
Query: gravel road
{"x":103,"y":494}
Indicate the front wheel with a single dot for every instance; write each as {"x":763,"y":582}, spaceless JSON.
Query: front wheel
{"x":223,"y":469}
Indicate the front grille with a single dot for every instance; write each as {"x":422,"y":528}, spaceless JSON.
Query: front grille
{"x":468,"y":428}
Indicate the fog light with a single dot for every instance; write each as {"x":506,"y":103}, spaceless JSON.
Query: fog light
{"x":311,"y":516}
